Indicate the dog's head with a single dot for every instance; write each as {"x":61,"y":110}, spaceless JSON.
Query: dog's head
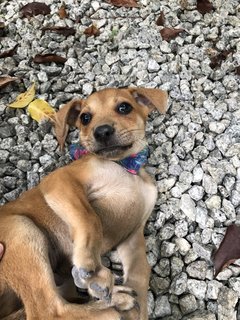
{"x":111,"y":121}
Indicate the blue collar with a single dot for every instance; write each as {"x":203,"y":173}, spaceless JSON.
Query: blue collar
{"x":132,"y":164}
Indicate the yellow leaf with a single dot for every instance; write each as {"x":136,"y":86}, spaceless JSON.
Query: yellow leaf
{"x":40,"y":109}
{"x":24,"y":98}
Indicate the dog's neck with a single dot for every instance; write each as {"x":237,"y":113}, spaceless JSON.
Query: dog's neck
{"x":132,"y":163}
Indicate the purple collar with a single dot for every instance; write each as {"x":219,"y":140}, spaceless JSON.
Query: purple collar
{"x":132,"y":164}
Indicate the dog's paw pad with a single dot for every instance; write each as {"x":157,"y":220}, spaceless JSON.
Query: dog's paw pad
{"x":100,"y":292}
{"x":84,"y":274}
{"x":80,"y":276}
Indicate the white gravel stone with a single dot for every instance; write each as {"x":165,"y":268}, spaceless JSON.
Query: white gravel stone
{"x":153,"y":66}
{"x":188,"y":207}
{"x":163,"y":307}
{"x":213,"y":288}
{"x":217,"y":127}
{"x":196,"y":192}
{"x":179,"y":284}
{"x":197,"y":288}
{"x":213,"y":202}
{"x":182,"y":245}
{"x":209,"y":184}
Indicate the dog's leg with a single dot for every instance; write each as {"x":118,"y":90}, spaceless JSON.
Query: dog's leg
{"x":136,"y":269}
{"x":86,"y":232}
{"x":26,"y":269}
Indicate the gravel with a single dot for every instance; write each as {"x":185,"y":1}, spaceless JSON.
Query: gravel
{"x":195,"y":147}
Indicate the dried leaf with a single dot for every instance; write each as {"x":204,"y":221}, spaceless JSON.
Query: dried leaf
{"x":124,"y":3}
{"x":204,"y":6}
{"x":217,"y":59}
{"x":5,"y":80}
{"x":92,"y":31}
{"x":229,"y":249}
{"x":39,"y":109}
{"x":24,"y":98}
{"x":161,"y":19}
{"x":35,"y":8}
{"x":62,"y":11}
{"x":66,"y":31}
{"x":170,"y":33}
{"x":9,"y":53}
{"x":47,"y":58}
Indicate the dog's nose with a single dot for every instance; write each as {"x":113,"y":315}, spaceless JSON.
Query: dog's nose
{"x":104,"y":132}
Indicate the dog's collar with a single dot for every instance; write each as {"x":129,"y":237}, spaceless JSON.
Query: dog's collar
{"x":132,"y":164}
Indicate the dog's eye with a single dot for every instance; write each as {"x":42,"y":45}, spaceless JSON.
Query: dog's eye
{"x":85,"y":118}
{"x":124,"y":108}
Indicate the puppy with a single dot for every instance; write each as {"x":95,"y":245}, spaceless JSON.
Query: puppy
{"x":80,"y":212}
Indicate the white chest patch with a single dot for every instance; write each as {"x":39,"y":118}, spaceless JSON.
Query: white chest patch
{"x":117,"y":194}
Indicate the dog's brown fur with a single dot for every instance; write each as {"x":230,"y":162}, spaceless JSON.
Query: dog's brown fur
{"x":78,"y":213}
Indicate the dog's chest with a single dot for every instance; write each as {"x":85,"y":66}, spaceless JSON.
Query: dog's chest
{"x":122,"y":200}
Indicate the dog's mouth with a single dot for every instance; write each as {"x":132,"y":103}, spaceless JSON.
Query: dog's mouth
{"x":113,"y":150}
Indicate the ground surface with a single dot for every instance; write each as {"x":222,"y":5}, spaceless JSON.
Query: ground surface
{"x":195,"y":147}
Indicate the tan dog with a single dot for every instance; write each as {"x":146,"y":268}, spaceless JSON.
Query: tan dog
{"x":80,"y":212}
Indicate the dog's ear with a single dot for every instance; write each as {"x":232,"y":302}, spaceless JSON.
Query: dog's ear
{"x":65,"y":117}
{"x":151,"y":98}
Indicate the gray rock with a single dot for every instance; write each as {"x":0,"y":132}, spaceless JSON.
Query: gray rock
{"x":153,"y":66}
{"x":202,"y":217}
{"x":188,"y":304}
{"x":166,"y":184}
{"x":213,"y":288}
{"x":187,"y":206}
{"x":6,"y":131}
{"x":4,"y":155}
{"x":181,"y":228}
{"x":159,"y":285}
{"x":176,"y":266}
{"x":186,"y":177}
{"x":200,"y":153}
{"x":167,"y":249}
{"x":214,"y":202}
{"x":209,"y":184}
{"x":227,"y":299}
{"x":201,"y":315}
{"x":196,"y":192}
{"x":229,"y":210}
{"x":179,"y":284}
{"x":162,"y":269}
{"x":182,"y":245}
{"x":235,"y":285}
{"x":197,"y":269}
{"x":203,"y":251}
{"x":197,"y":288}
{"x":197,"y":174}
{"x":166,"y":232}
{"x":162,"y":307}
{"x":150,"y":303}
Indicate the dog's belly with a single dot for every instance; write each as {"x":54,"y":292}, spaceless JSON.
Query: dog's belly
{"x":122,"y":200}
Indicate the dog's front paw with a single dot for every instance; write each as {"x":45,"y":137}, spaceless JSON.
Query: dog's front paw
{"x":124,"y":301}
{"x":99,"y":283}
